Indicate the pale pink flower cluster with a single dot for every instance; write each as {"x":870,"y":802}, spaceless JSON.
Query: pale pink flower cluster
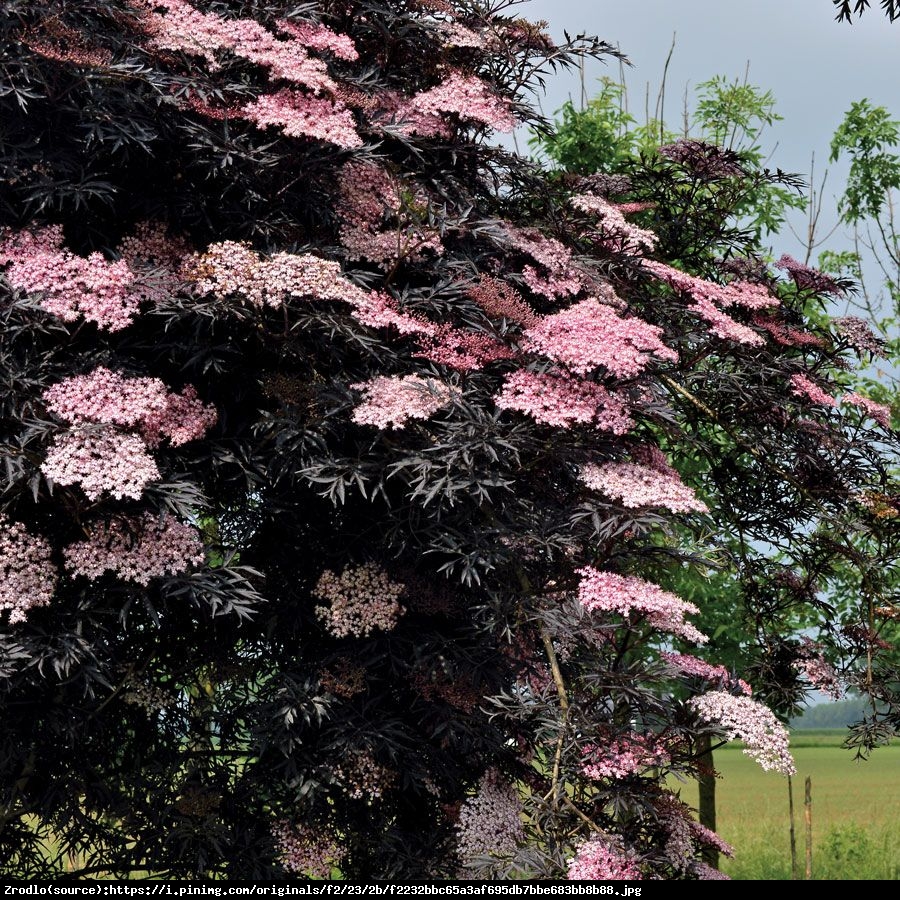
{"x":765,"y":738}
{"x":880,"y":412}
{"x":176,"y":25}
{"x":407,"y":119}
{"x":490,"y":821}
{"x":457,"y":35}
{"x":563,"y":279}
{"x":230,"y":268}
{"x":468,"y":97}
{"x":321,"y":37}
{"x":362,"y":777}
{"x":107,"y":398}
{"x":359,"y":600}
{"x":590,"y":334}
{"x":70,"y":286}
{"x":690,"y":665}
{"x":136,"y":549}
{"x":308,"y":852}
{"x":706,"y":872}
{"x":622,"y":756}
{"x":378,"y":216}
{"x":635,"y":485}
{"x":859,"y":335}
{"x":380,"y":310}
{"x":466,"y":351}
{"x":27,"y":574}
{"x":684,"y":833}
{"x":562,"y":401}
{"x":612,"y":218}
{"x":299,"y":114}
{"x":747,"y":294}
{"x":502,"y":301}
{"x":391,"y":402}
{"x":821,"y":674}
{"x":102,"y":460}
{"x":723,"y":326}
{"x":785,"y":335}
{"x":807,"y":278}
{"x":151,"y":244}
{"x":564,"y":283}
{"x":710,"y":838}
{"x":600,"y":859}
{"x":801,"y":386}
{"x":626,"y":595}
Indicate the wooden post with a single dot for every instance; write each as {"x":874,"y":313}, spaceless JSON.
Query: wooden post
{"x":807,"y":815}
{"x":706,"y":806}
{"x":794,"y":872}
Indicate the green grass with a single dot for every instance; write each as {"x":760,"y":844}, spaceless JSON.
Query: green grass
{"x":855,"y":811}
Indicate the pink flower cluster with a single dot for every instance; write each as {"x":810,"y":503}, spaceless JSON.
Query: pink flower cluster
{"x":600,"y":859}
{"x":490,"y":821}
{"x":70,"y":286}
{"x":612,"y":218}
{"x":380,"y":216}
{"x":107,"y":398}
{"x":176,"y":25}
{"x":880,"y":412}
{"x":466,"y":351}
{"x":102,"y":460}
{"x":818,"y":670}
{"x":390,"y":402}
{"x":308,"y":852}
{"x":27,"y":574}
{"x":320,"y":37}
{"x":359,"y":600}
{"x":622,"y":756}
{"x":468,"y":97}
{"x":136,"y":549}
{"x":785,"y":335}
{"x":230,"y":268}
{"x":563,"y":278}
{"x":380,"y":310}
{"x":765,"y":738}
{"x":801,"y":386}
{"x":502,"y":301}
{"x":858,"y":333}
{"x":807,"y":278}
{"x":635,"y":485}
{"x":690,"y":665}
{"x":562,"y":401}
{"x":626,"y":595}
{"x":299,"y":114}
{"x":705,"y":872}
{"x":591,"y":334}
{"x":151,"y":244}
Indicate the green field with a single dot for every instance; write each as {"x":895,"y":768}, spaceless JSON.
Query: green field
{"x":855,"y":811}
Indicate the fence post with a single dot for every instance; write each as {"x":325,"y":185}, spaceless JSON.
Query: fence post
{"x":793,"y":830}
{"x":807,"y":815}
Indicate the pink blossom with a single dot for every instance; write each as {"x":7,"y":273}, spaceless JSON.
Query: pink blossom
{"x":392,"y":402}
{"x":622,"y":756}
{"x":302,"y":115}
{"x":801,"y":386}
{"x":858,"y":333}
{"x":612,"y":219}
{"x":27,"y":574}
{"x":136,"y":549}
{"x":566,"y":283}
{"x":563,"y":278}
{"x":502,"y":301}
{"x":150,"y":243}
{"x":765,"y":738}
{"x":463,"y":350}
{"x":690,"y":665}
{"x":626,"y":595}
{"x":600,"y":859}
{"x":307,"y":851}
{"x":880,"y":412}
{"x":105,"y":397}
{"x":562,"y":401}
{"x":747,"y":294}
{"x":785,"y":335}
{"x":186,"y":29}
{"x":807,"y":278}
{"x":490,"y":821}
{"x":71,"y":287}
{"x":102,"y":460}
{"x":407,"y":119}
{"x":589,"y":335}
{"x":382,"y":219}
{"x":634,"y":485}
{"x":708,"y":837}
{"x":724,"y":326}
{"x":706,"y":872}
{"x":821,"y":674}
{"x":321,"y":37}
{"x":359,"y":600}
{"x":468,"y":97}
{"x":380,"y":310}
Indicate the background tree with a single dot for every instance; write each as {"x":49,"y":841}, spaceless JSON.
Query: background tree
{"x":336,"y":507}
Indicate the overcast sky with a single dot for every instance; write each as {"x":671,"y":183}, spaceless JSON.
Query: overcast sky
{"x":814,"y":65}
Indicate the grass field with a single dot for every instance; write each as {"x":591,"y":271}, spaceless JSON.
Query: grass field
{"x":855,"y":811}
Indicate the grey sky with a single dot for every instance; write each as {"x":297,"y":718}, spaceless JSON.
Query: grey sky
{"x":814,"y":66}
